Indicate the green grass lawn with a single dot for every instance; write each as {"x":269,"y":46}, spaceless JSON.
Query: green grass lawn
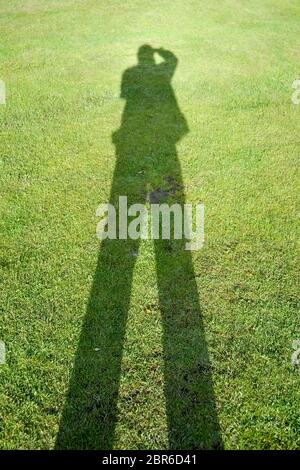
{"x":62,"y":62}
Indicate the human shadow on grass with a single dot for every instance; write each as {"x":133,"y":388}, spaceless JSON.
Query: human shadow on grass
{"x":146,"y":158}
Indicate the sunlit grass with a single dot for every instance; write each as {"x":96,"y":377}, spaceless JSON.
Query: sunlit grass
{"x":62,"y":63}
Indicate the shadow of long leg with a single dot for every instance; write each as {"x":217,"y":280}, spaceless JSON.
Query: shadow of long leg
{"x":190,"y":401}
{"x":90,"y":413}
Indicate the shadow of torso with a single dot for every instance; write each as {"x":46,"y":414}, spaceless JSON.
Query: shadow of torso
{"x":151,"y":126}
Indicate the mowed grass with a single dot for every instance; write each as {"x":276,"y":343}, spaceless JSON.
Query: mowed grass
{"x":62,"y":63}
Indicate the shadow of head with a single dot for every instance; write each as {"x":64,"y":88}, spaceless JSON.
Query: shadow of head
{"x":146,"y":55}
